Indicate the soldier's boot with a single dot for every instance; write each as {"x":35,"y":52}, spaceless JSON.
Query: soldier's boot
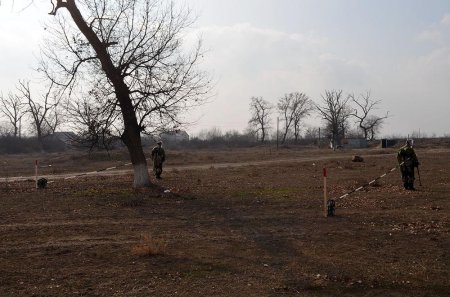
{"x":406,"y":185}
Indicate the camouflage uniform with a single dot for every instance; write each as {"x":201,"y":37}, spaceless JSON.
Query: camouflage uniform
{"x":158,"y":157}
{"x":407,"y":160}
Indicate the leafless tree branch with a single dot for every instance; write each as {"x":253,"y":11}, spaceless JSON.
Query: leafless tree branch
{"x":42,"y":110}
{"x":368,"y":123}
{"x":12,"y":107}
{"x":293,"y":107}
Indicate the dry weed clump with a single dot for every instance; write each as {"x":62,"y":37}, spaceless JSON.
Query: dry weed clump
{"x":149,"y":247}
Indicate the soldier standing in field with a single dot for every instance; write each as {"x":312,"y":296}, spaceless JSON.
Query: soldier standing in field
{"x":158,"y":157}
{"x":407,"y":160}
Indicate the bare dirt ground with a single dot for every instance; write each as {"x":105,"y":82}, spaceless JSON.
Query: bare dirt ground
{"x":248,"y":229}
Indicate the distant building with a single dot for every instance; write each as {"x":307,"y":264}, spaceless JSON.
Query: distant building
{"x":354,"y":143}
{"x":174,"y":136}
{"x":385,"y":143}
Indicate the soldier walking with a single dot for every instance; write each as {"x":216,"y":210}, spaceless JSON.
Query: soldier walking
{"x":407,"y":160}
{"x":158,"y":157}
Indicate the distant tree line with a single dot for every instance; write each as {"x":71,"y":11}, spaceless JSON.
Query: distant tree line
{"x":41,"y":115}
{"x":338,"y":112}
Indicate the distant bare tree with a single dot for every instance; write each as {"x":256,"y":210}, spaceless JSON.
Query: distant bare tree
{"x":5,"y":130}
{"x":293,"y":108}
{"x":284,"y":107}
{"x":312,"y":133}
{"x":369,"y":124}
{"x":133,"y":52}
{"x":210,"y":134}
{"x":13,"y":108}
{"x":335,"y":111}
{"x":43,"y":109}
{"x":260,"y":116}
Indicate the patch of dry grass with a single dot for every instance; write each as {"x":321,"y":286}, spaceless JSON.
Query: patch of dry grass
{"x":149,"y":246}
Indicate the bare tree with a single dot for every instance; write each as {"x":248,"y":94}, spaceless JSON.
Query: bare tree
{"x":284,"y":106}
{"x":132,"y":51}
{"x":13,"y":108}
{"x":312,"y":133}
{"x":93,"y":124}
{"x":293,"y":108}
{"x":260,"y":116}
{"x":368,"y":123}
{"x":335,"y":111}
{"x":5,"y":130}
{"x":42,"y":109}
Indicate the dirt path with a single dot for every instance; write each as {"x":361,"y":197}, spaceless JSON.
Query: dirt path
{"x":112,"y":172}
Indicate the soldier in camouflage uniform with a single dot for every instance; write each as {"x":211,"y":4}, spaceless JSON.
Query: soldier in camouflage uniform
{"x":158,"y":157}
{"x":407,"y":160}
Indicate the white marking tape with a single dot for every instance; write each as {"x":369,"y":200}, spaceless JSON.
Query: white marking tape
{"x":360,"y":188}
{"x":93,"y":172}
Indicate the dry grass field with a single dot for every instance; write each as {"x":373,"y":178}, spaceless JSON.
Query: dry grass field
{"x":251,"y":226}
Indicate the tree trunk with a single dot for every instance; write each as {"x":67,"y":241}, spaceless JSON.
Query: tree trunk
{"x":131,"y":135}
{"x":296,"y":132}
{"x":40,"y":137}
{"x":141,"y":177}
{"x":285,"y":135}
{"x":365,"y":131}
{"x":132,"y":139}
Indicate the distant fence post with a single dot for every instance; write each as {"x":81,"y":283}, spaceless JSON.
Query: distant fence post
{"x":278,"y":128}
{"x":319,"y":144}
{"x":36,"y":172}
{"x":325,"y":192}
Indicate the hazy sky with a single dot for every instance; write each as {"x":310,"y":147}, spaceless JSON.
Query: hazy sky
{"x":398,"y":50}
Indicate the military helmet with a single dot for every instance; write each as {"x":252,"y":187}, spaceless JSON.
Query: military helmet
{"x":159,"y":142}
{"x":409,"y":142}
